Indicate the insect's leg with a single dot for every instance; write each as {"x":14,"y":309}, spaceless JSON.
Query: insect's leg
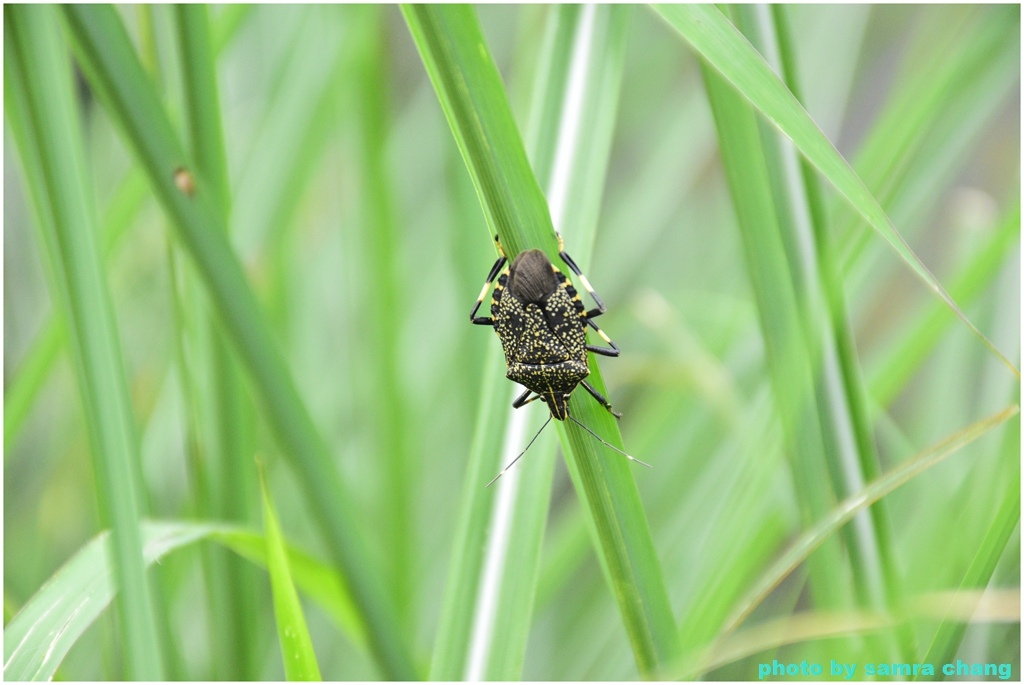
{"x":583,"y":281}
{"x":601,"y":398}
{"x":486,"y":320}
{"x":521,"y":400}
{"x":612,"y":351}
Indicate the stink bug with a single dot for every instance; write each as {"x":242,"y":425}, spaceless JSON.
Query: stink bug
{"x":542,"y":325}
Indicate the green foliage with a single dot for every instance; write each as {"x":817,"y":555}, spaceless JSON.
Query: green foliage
{"x":296,"y":645}
{"x":836,"y":455}
{"x":47,"y":131}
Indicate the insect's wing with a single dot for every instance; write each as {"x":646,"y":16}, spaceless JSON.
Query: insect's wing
{"x":564,"y":320}
{"x":510,"y":321}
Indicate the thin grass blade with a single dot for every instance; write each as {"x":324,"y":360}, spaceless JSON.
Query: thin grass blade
{"x":380,"y":246}
{"x":292,"y":633}
{"x":968,"y":73}
{"x":799,"y":550}
{"x":720,"y":651}
{"x":473,"y":98}
{"x":28,"y":378}
{"x":582,"y":47}
{"x":725,"y":50}
{"x":39,"y":636}
{"x":992,"y":548}
{"x":221,"y":444}
{"x":108,"y":59}
{"x":846,"y":430}
{"x":891,"y":374}
{"x":48,"y":129}
{"x":790,"y":352}
{"x":474,"y":101}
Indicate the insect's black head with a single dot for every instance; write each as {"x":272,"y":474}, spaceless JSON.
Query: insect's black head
{"x":531,"y":277}
{"x":558,"y":404}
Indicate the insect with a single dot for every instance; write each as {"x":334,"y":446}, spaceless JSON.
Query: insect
{"x":542,"y":324}
{"x":184,"y":181}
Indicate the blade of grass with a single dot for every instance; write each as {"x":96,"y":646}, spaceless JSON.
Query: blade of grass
{"x":723,"y":48}
{"x":977,"y":92}
{"x":972,"y":70}
{"x":456,"y":627}
{"x":48,"y":122}
{"x":574,"y":97}
{"x":226,"y":24}
{"x":799,"y":550}
{"x":497,"y":604}
{"x":224,"y":470}
{"x":108,"y":60}
{"x":474,"y":101}
{"x":39,"y":636}
{"x":380,"y":243}
{"x":293,"y":136}
{"x":32,"y":373}
{"x":992,"y":547}
{"x":792,"y":629}
{"x":589,"y":102}
{"x":846,"y":430}
{"x":488,"y":598}
{"x":892,"y":373}
{"x":29,"y":377}
{"x":503,"y":604}
{"x":848,"y":508}
{"x":202,"y":103}
{"x":810,"y":627}
{"x":499,"y":617}
{"x":788,"y":352}
{"x":292,"y":633}
{"x":318,"y":579}
{"x":34,"y":369}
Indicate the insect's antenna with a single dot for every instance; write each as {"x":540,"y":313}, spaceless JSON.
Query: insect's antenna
{"x":521,"y":454}
{"x":608,"y":444}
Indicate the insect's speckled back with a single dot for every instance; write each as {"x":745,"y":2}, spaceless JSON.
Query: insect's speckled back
{"x":537,"y":317}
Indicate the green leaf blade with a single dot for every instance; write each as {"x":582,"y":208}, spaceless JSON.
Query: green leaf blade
{"x":296,"y":645}
{"x":726,"y":51}
{"x":46,"y":628}
{"x":67,"y":219}
{"x":474,"y":101}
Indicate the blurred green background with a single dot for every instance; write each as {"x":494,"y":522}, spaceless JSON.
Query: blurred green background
{"x":362,"y":236}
